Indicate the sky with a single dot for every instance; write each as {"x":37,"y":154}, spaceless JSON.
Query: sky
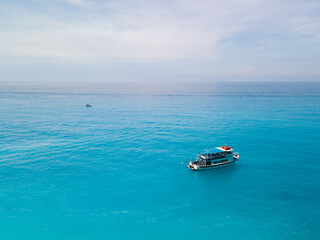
{"x":165,"y":40}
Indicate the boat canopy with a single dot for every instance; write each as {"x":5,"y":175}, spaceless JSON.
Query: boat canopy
{"x":213,"y":150}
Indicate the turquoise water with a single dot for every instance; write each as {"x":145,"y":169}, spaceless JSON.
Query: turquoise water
{"x":114,"y":171}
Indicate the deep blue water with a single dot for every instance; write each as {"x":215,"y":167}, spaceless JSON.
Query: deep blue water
{"x":114,"y":171}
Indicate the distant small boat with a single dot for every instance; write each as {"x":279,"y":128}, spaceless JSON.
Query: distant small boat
{"x":88,"y":105}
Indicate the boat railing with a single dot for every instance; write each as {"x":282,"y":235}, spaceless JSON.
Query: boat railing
{"x":211,"y":157}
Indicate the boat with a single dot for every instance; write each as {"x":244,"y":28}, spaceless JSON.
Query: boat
{"x":88,"y":105}
{"x":218,"y":157}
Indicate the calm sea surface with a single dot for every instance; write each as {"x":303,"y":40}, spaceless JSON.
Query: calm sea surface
{"x":114,"y":171}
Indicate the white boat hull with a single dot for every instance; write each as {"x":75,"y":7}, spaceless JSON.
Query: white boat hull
{"x":206,"y":167}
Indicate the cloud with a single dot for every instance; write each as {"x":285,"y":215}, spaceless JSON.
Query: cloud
{"x":80,"y":3}
{"x":83,"y":31}
{"x":141,"y":30}
{"x":307,"y":26}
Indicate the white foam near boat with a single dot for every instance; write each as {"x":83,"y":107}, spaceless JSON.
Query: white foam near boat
{"x":219,"y":157}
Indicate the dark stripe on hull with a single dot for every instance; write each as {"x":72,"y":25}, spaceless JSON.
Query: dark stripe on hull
{"x":217,"y":165}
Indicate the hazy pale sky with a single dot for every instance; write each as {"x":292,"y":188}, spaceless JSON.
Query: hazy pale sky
{"x":101,"y":40}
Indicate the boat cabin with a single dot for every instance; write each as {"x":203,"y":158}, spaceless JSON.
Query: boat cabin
{"x":216,"y":153}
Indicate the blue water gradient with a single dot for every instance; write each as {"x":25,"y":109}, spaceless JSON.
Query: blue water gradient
{"x":114,"y":171}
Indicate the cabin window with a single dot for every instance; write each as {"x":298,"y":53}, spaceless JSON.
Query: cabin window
{"x":208,"y":163}
{"x":215,"y":162}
